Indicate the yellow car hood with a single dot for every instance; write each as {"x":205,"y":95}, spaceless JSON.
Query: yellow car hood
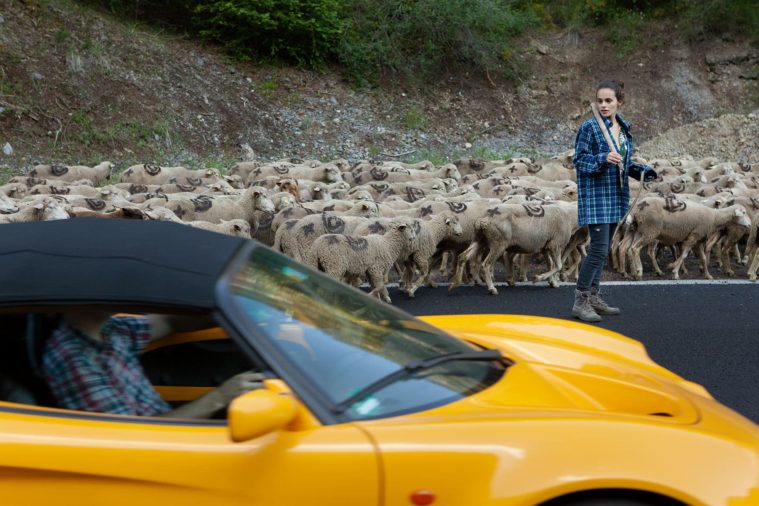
{"x":568,"y":366}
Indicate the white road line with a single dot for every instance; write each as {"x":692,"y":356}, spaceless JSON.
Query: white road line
{"x":653,"y":282}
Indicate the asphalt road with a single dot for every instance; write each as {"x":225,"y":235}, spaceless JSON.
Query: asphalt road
{"x":707,"y":333}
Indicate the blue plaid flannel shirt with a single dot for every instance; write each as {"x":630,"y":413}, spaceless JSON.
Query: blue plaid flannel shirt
{"x":104,"y":377}
{"x":600,"y":198}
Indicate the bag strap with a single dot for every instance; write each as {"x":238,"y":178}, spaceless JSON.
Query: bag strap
{"x":609,"y":141}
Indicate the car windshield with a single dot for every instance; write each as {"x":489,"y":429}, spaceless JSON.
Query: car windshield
{"x":345,"y":341}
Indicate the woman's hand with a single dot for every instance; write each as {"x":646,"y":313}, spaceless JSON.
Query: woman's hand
{"x":613,"y":158}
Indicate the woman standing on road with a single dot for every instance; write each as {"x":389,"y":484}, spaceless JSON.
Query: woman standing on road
{"x":603,"y":193}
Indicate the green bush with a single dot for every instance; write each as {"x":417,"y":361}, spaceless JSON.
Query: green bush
{"x":417,"y":40}
{"x":300,"y":31}
{"x":705,"y":17}
{"x":421,"y":38}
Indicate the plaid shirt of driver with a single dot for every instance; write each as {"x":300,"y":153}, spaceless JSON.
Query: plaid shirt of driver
{"x":102,"y":376}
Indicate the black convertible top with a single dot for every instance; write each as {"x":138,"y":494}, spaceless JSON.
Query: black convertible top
{"x":111,"y":261}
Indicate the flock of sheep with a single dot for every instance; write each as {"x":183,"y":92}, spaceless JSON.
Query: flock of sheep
{"x":358,"y":222}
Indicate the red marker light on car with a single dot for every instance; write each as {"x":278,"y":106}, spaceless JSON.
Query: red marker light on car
{"x":422,"y":497}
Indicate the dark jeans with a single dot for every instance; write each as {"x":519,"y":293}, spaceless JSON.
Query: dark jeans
{"x":593,"y":265}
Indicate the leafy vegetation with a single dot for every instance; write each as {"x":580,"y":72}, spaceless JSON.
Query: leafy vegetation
{"x":419,"y":39}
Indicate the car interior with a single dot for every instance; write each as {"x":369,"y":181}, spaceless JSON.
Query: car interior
{"x":193,"y":365}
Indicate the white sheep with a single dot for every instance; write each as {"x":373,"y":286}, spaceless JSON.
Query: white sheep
{"x":42,"y":209}
{"x":520,"y":228}
{"x":145,"y":173}
{"x":343,"y":256}
{"x":7,"y":204}
{"x":429,"y":235}
{"x":236,"y":228}
{"x":97,"y":174}
{"x":668,"y":222}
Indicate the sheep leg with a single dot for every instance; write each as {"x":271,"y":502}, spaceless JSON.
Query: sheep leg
{"x":738,"y":258}
{"x":524,"y":266}
{"x":571,"y":269}
{"x":754,"y":266}
{"x":652,"y":255}
{"x":554,"y":257}
{"x":718,"y":247}
{"x":460,"y":263}
{"x":424,"y":270}
{"x":621,"y":254}
{"x":703,"y":254}
{"x":636,"y":245}
{"x":687,"y":246}
{"x":444,"y":261}
{"x":408,"y":275}
{"x":751,"y":242}
{"x":616,"y":243}
{"x":717,"y":237}
{"x":726,"y":251}
{"x":488,"y":268}
{"x":377,"y":282}
{"x":509,"y":268}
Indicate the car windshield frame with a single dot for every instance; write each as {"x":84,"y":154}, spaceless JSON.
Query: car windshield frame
{"x":312,"y":392}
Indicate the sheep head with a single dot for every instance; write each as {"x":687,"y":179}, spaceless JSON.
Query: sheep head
{"x":332,"y":174}
{"x":740,"y":217}
{"x":453,"y":225}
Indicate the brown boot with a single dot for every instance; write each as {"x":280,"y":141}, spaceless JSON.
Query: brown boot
{"x":582,"y":308}
{"x":600,"y":305}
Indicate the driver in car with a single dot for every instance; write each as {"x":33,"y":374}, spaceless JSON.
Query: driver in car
{"x":91,"y":364}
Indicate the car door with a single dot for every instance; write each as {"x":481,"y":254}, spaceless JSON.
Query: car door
{"x":56,"y":456}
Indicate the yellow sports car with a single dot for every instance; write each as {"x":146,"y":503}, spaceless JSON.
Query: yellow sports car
{"x":363,"y":404}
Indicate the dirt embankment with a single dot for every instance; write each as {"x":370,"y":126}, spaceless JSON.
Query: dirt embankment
{"x":77,"y":86}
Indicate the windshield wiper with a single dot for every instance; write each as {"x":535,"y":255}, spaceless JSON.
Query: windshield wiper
{"x":412,"y":368}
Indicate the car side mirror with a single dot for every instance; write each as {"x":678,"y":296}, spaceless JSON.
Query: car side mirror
{"x":259,"y":412}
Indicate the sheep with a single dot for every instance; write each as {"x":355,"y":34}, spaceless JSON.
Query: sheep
{"x":268,"y":182}
{"x":14,"y":190}
{"x":29,"y":181}
{"x":294,"y":239}
{"x":93,"y":204}
{"x":243,"y":169}
{"x":520,"y":228}
{"x":681,"y":184}
{"x":319,"y":190}
{"x":7,"y":205}
{"x":477,"y":166}
{"x":754,"y":262}
{"x":552,"y":171}
{"x":430,"y":234}
{"x":283,"y":200}
{"x":326,"y":173}
{"x":155,"y":174}
{"x":290,"y":186}
{"x":215,"y":209}
{"x":467,"y":212}
{"x":235,"y":181}
{"x":405,"y":175}
{"x":81,"y":190}
{"x":413,"y":191}
{"x":374,"y":189}
{"x":751,"y":204}
{"x":125,"y":213}
{"x":484,"y":187}
{"x":236,"y":228}
{"x":372,"y":256}
{"x":669,"y":222}
{"x":316,"y":191}
{"x":97,"y":174}
{"x":42,"y":209}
